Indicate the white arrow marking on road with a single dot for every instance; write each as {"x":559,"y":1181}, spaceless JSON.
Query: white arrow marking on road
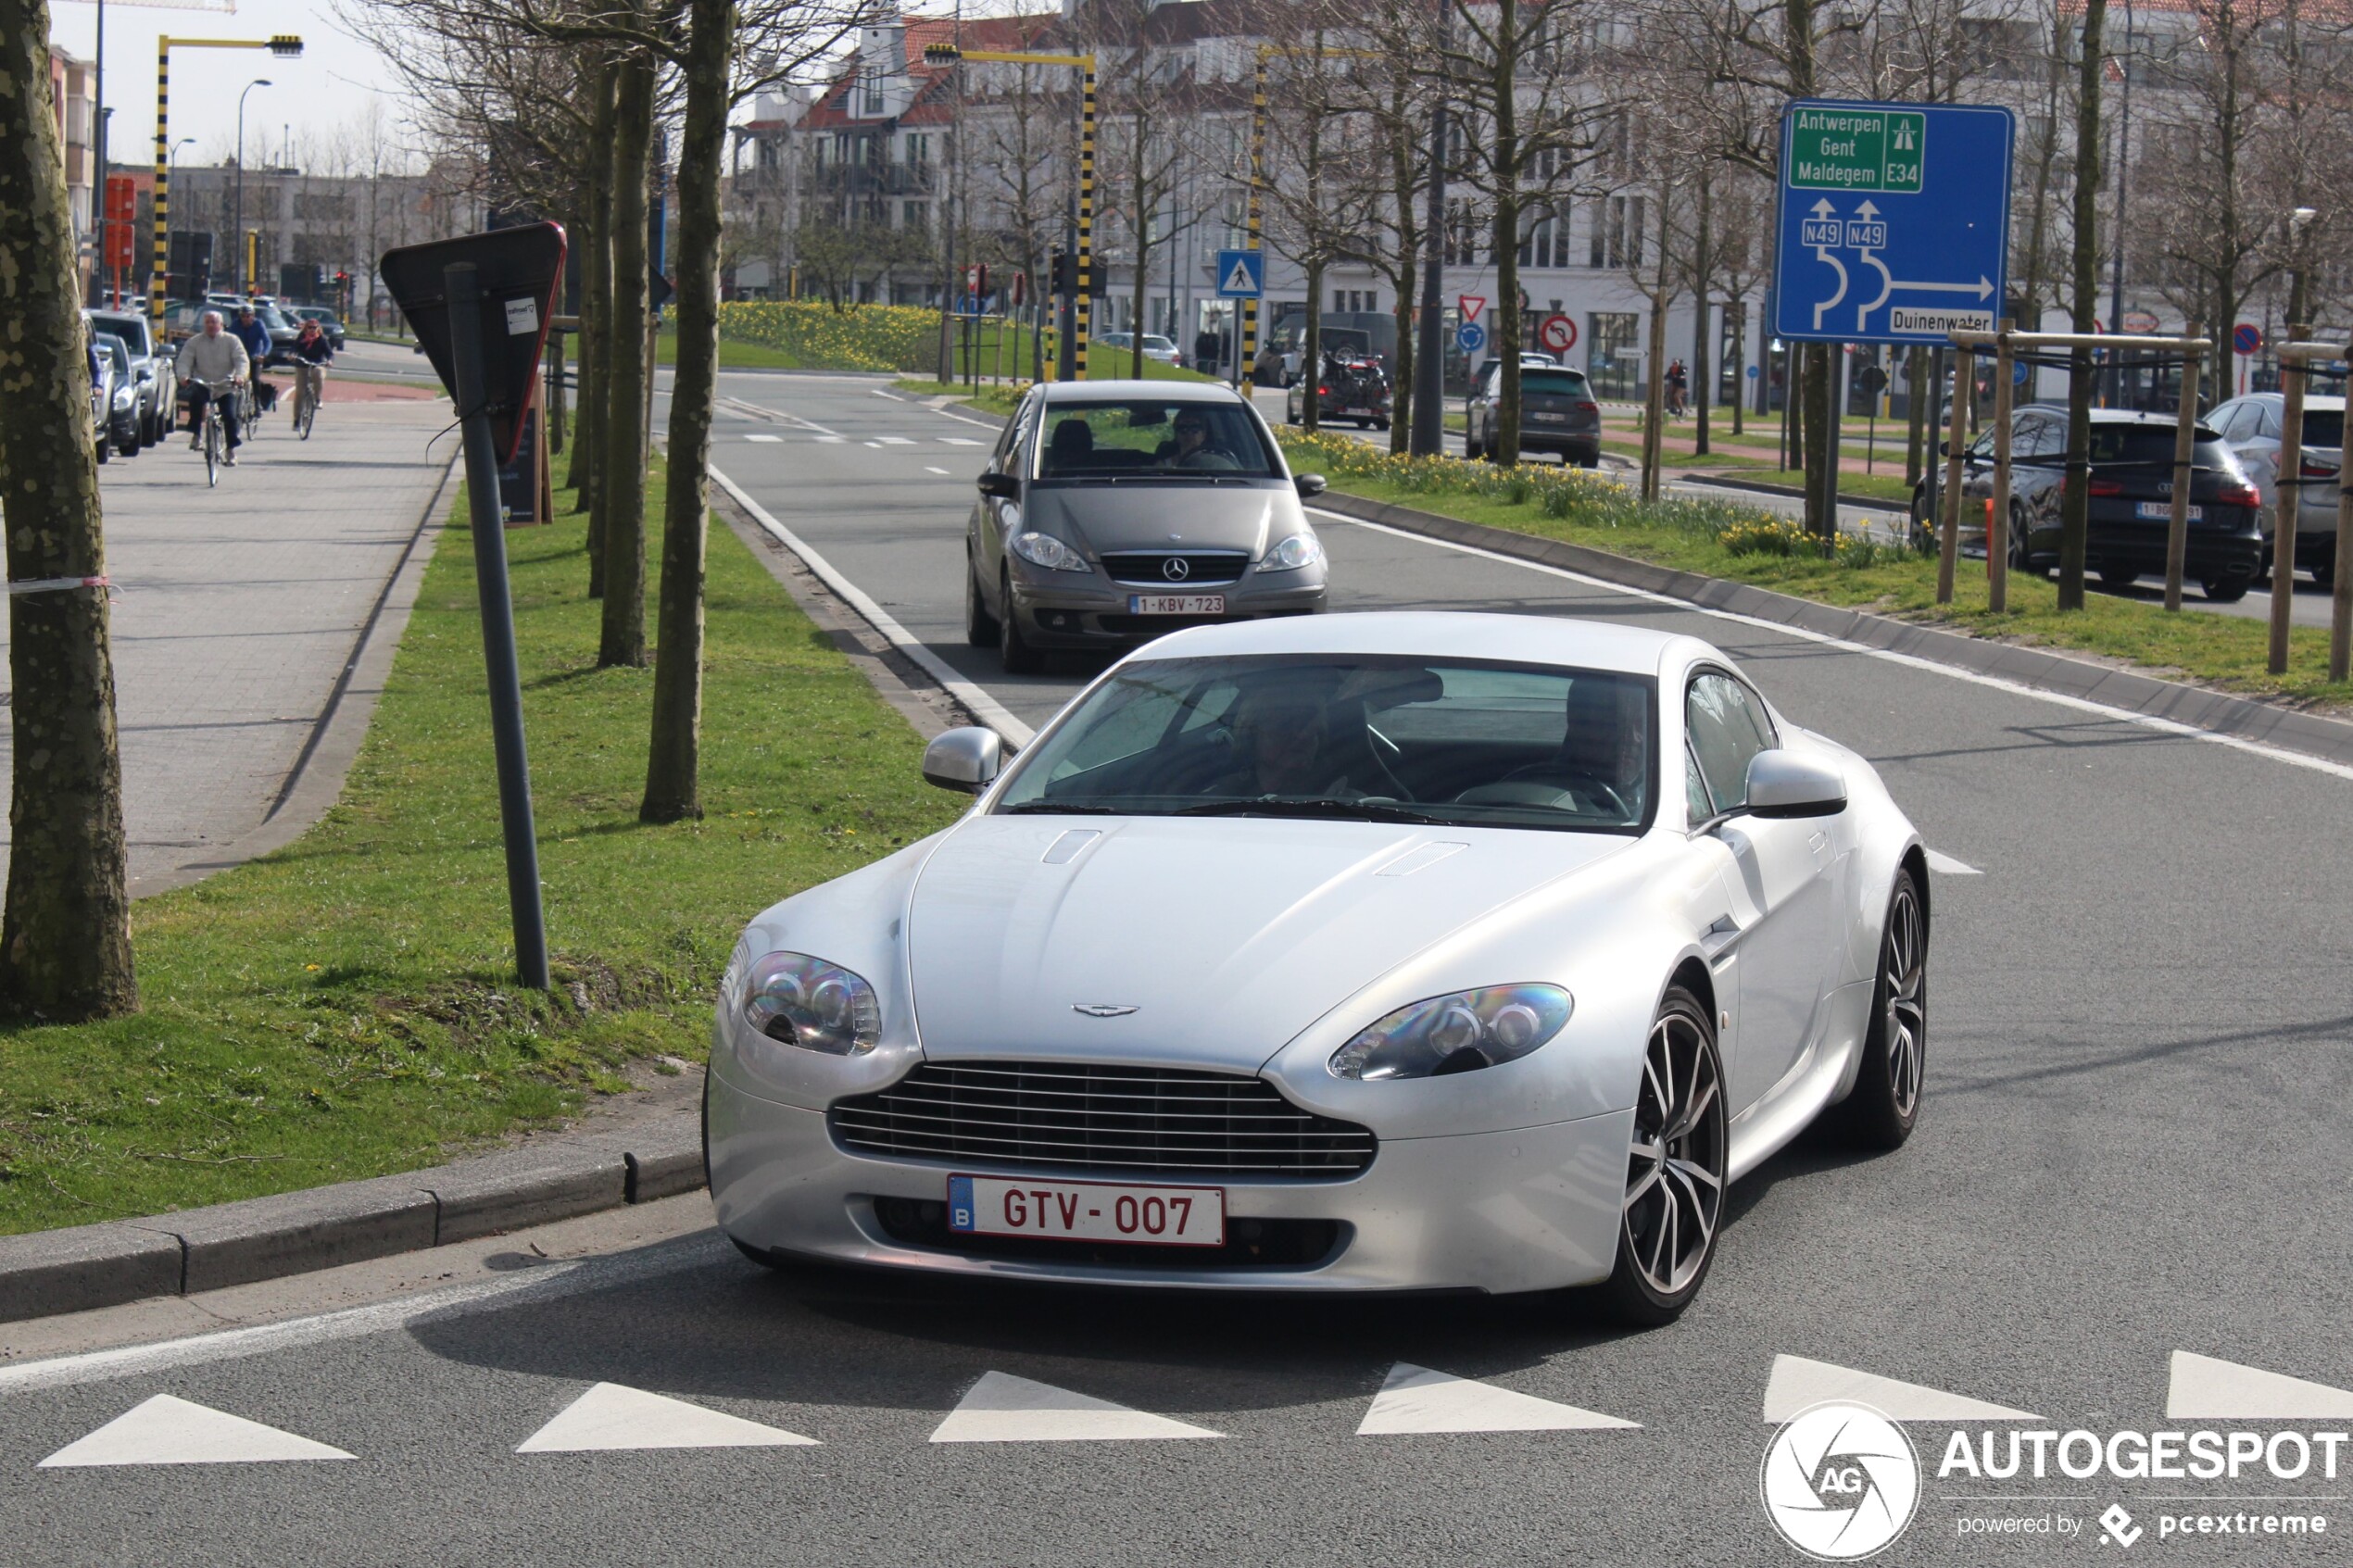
{"x":1417,"y":1400}
{"x":928,"y":468}
{"x":1944,"y":865}
{"x":1005,"y":1409}
{"x":2204,"y":1388}
{"x":612,"y":1416}
{"x":764,"y":438}
{"x":1797,"y":1382}
{"x":170,"y":1431}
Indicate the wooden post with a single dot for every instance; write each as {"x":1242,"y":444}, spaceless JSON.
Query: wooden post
{"x":2341,"y":612}
{"x":2287,"y":484}
{"x":2177,"y":528}
{"x":1964,"y":383}
{"x":1998,"y":517}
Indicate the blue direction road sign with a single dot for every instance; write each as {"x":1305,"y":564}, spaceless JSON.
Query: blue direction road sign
{"x":1241,"y":274}
{"x":1471,"y":337}
{"x":1894,"y":220}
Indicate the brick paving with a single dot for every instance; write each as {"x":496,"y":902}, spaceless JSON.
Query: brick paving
{"x":239,"y":607}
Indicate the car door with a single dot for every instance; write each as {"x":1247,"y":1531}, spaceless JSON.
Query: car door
{"x":1779,"y":883}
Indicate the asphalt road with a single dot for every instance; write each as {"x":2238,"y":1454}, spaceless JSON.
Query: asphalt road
{"x":2133,"y":1145}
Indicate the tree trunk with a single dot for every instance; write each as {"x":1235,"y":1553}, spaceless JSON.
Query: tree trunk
{"x":1311,"y":352}
{"x":674,"y":761}
{"x":1821,"y":440}
{"x":1740,"y":362}
{"x":1503,"y":321}
{"x":1917,"y":379}
{"x":65,"y":937}
{"x":595,"y":239}
{"x":1402,"y":183}
{"x":1655,"y":381}
{"x":2075,"y":500}
{"x":1701,"y":356}
{"x":621,"y":472}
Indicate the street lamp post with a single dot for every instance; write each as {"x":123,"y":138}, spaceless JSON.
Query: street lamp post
{"x":237,"y":222}
{"x":285,"y":45}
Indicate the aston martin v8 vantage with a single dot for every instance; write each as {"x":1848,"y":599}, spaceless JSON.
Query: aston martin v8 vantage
{"x":1344,"y":953}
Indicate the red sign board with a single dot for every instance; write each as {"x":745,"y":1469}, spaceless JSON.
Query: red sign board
{"x":1557,"y":334}
{"x":1470,"y":305}
{"x":122,"y":212}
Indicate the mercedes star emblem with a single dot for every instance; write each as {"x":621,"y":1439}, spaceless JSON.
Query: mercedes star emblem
{"x":1175,"y":568}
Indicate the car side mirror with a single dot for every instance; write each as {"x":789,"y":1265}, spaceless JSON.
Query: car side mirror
{"x":1782,"y":783}
{"x":1308,"y":484}
{"x":966,"y":760}
{"x":1000,"y":486}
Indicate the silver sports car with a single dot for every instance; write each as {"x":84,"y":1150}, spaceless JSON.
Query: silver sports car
{"x":1353,"y":952}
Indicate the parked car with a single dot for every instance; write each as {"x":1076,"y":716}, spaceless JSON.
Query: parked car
{"x":2250,"y":426}
{"x":2132,"y":459}
{"x":1359,"y":954}
{"x":1353,"y":386}
{"x":1557,"y":411}
{"x":331,"y":324}
{"x":151,"y":367}
{"x":122,"y":394}
{"x":1155,"y":347}
{"x":1113,"y":512}
{"x":101,"y":403}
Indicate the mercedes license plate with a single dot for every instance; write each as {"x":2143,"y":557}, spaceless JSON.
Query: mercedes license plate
{"x":1157,"y":1216}
{"x":2162,"y":511}
{"x":1175,"y":604}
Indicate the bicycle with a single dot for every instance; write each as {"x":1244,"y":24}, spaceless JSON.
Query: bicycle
{"x":209,"y":435}
{"x":311,"y":381}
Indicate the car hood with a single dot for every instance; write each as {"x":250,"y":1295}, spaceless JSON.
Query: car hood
{"x":1225,"y":936}
{"x":1155,"y":514}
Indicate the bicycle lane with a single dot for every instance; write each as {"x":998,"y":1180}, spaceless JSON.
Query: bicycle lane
{"x":238,"y":609}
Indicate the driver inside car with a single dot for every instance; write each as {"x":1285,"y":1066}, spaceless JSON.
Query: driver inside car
{"x":1191,"y":449}
{"x":1604,"y":756}
{"x":1282,"y":729}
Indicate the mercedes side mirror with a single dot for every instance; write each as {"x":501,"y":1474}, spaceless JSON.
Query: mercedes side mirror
{"x":1782,"y":783}
{"x":1309,"y":485}
{"x":1000,"y":486}
{"x":966,"y":760}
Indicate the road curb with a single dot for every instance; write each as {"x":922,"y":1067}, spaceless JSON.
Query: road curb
{"x":2168,"y":702}
{"x":46,"y":1272}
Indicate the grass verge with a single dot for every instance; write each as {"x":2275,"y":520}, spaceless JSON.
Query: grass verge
{"x":345,"y":1007}
{"x":1747,"y":545}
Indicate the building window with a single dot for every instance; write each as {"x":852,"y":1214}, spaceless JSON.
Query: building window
{"x":874,"y":93}
{"x":1612,"y":362}
{"x":915,"y":217}
{"x":1617,"y":240}
{"x":1544,"y":237}
{"x":918,"y":147}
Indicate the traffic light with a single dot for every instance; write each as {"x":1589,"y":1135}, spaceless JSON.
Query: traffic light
{"x":285,"y":45}
{"x":941,"y":53}
{"x":1064,"y":271}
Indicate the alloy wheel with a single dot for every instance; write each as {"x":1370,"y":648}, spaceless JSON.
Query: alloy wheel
{"x":1906,"y":982}
{"x":1675,"y":1171}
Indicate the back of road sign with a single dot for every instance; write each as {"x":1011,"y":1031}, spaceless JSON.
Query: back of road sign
{"x":518,"y":268}
{"x":1894,"y":220}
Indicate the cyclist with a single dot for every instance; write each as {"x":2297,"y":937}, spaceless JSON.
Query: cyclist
{"x":256,"y":337}
{"x":213,"y":359}
{"x":312,"y":354}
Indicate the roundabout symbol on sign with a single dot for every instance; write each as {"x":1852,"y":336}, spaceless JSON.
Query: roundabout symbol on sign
{"x":1471,"y":337}
{"x":1557,"y":334}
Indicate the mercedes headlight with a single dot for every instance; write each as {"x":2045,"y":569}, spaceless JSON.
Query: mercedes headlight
{"x":810,"y":1003}
{"x":1044,"y":549}
{"x":1300,"y":549}
{"x":1456,"y":1033}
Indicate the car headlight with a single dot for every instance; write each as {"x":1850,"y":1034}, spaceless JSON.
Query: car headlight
{"x":1044,"y":549}
{"x":1300,"y":549}
{"x":1456,"y":1033}
{"x":810,"y":1003}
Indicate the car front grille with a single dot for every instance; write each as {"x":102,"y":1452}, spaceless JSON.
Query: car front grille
{"x":1162,"y":1120}
{"x":1200,"y":568}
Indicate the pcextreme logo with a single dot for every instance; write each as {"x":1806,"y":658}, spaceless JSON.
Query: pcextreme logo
{"x":1840,"y":1481}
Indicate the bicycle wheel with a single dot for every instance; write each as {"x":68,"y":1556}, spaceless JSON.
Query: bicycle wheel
{"x":309,"y":409}
{"x":212,"y":447}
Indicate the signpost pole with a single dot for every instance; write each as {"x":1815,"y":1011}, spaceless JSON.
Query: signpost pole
{"x":2295,"y":371}
{"x":2177,"y":526}
{"x":1997,"y":512}
{"x":2341,"y":610}
{"x":471,"y":392}
{"x":1949,"y":546}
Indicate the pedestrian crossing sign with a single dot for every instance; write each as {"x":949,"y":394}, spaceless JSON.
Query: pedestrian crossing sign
{"x":1241,"y":274}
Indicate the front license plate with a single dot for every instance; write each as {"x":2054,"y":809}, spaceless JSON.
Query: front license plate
{"x":2162,"y":511}
{"x":1175,"y":604}
{"x":1154,"y":1216}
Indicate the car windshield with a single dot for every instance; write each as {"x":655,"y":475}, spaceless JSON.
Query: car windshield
{"x":132,"y":330}
{"x":2150,"y":446}
{"x":1562,"y":384}
{"x":1173,"y":439}
{"x":1363,"y":737}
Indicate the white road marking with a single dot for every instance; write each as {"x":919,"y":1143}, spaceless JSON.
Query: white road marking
{"x":880,"y":392}
{"x":1417,"y":1400}
{"x":987,"y":709}
{"x":928,"y":468}
{"x":764,"y":438}
{"x":1944,"y":865}
{"x":968,"y":418}
{"x":833,"y":440}
{"x":2202,"y":1388}
{"x":612,"y":1416}
{"x":956,"y":441}
{"x":165,"y":1430}
{"x":1797,"y":1382}
{"x":875,"y":444}
{"x":1005,"y":1409}
{"x":892,"y":441}
{"x":776,"y":416}
{"x":1913,"y":662}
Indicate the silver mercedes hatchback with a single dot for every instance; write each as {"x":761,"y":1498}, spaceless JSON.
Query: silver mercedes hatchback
{"x":1113,"y":512}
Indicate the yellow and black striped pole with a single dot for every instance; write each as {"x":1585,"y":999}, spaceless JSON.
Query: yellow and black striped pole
{"x":1082,"y":314}
{"x":285,"y":45}
{"x":1257,"y":223}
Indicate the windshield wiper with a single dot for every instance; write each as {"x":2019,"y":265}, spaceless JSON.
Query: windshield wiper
{"x":1279,"y":806}
{"x":1057,"y":808}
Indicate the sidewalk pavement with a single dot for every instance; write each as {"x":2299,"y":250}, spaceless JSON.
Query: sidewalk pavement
{"x":239,"y":607}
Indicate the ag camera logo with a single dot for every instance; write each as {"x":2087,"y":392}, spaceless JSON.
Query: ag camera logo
{"x":1840,"y":1481}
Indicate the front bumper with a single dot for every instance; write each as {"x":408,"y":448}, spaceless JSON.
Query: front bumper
{"x":1533,"y":1209}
